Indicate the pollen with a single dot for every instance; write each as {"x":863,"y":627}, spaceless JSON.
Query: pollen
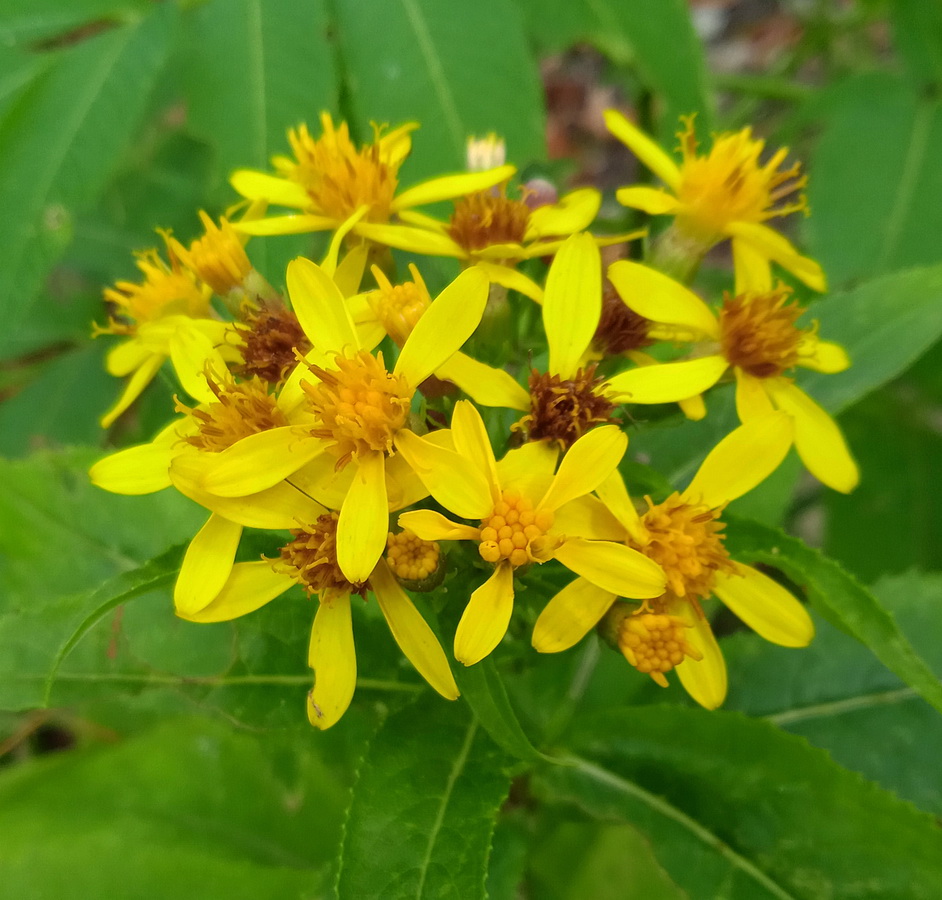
{"x":730,"y":184}
{"x":564,"y":409}
{"x":411,"y":558}
{"x":240,"y":409}
{"x":311,"y":560}
{"x":514,"y":531}
{"x":655,"y":643}
{"x":271,"y":335}
{"x":360,"y":406}
{"x":338,"y":177}
{"x":218,"y":257}
{"x":620,"y":328}
{"x":165,"y":290}
{"x":686,"y":540}
{"x":489,"y":217}
{"x":758,"y":332}
{"x":399,"y":307}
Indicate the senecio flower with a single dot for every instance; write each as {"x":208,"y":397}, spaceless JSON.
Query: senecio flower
{"x":310,"y":559}
{"x":329,"y":180}
{"x":755,"y":334}
{"x":726,"y":193}
{"x":683,"y":535}
{"x":518,"y":502}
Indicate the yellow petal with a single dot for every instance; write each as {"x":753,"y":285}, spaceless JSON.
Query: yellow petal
{"x":694,"y":408}
{"x":753,"y":272}
{"x":587,"y":463}
{"x":529,"y":469}
{"x":320,"y":307}
{"x":207,"y":565}
{"x":412,"y":632}
{"x":658,"y":297}
{"x":751,"y":399}
{"x":704,"y":679}
{"x":588,"y":517}
{"x":667,"y":382}
{"x":572,"y":303}
{"x":433,"y":526}
{"x":653,"y":201}
{"x":125,"y":357}
{"x":614,"y":495}
{"x":333,"y":658}
{"x":574,"y":212}
{"x":350,"y":271}
{"x":644,"y":148}
{"x":364,"y":519}
{"x":776,"y":248}
{"x":512,"y":279}
{"x":329,"y":263}
{"x":471,"y":440}
{"x":765,"y":606}
{"x":134,"y":388}
{"x":484,"y":621}
{"x":249,"y":587}
{"x":827,"y":357}
{"x":483,"y":383}
{"x":275,"y":225}
{"x":448,"y":187}
{"x":444,"y":327}
{"x":259,"y":185}
{"x":260,"y":461}
{"x":414,"y":217}
{"x":613,"y":567}
{"x":743,"y":459}
{"x":137,"y":470}
{"x":818,"y":440}
{"x":570,"y":615}
{"x":451,"y":479}
{"x":191,"y":353}
{"x":413,"y":240}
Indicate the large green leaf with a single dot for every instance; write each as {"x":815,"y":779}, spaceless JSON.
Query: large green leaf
{"x":917,"y":29}
{"x":736,"y":808}
{"x":192,"y":808}
{"x":456,"y":74}
{"x":423,"y":808}
{"x":59,"y":142}
{"x":839,"y":596}
{"x":834,"y":693}
{"x":35,"y":22}
{"x":874,"y":179}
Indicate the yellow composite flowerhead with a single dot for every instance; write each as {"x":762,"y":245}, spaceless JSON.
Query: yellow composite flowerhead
{"x":725,"y":193}
{"x":757,"y":335}
{"x":516,"y":502}
{"x":353,"y":405}
{"x":217,"y":257}
{"x":329,"y":179}
{"x":683,"y":534}
{"x":310,"y":559}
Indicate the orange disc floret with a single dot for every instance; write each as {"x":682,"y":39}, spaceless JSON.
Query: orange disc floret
{"x":270,"y":336}
{"x":514,"y":530}
{"x":311,"y":560}
{"x":488,"y":217}
{"x":758,"y":332}
{"x":411,"y":558}
{"x":654,"y":643}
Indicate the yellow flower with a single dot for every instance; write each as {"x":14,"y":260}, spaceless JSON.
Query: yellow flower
{"x":356,"y":406}
{"x":217,"y":257}
{"x":310,"y":559}
{"x":166,"y":315}
{"x":518,"y":502}
{"x":756,"y":335}
{"x":683,"y":535}
{"x":330,"y":179}
{"x":727,"y":193}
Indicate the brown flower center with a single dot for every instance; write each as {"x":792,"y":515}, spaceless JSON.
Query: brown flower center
{"x":483,"y":219}
{"x":758,"y":332}
{"x":271,"y":335}
{"x":620,"y":328}
{"x":311,"y":560}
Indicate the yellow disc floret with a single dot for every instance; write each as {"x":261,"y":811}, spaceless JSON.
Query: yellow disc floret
{"x":411,"y":558}
{"x":685,"y":539}
{"x":399,"y":306}
{"x":360,"y":405}
{"x":311,"y":560}
{"x":758,"y":332}
{"x":514,"y":530}
{"x":218,"y":257}
{"x":240,"y":409}
{"x":654,"y":643}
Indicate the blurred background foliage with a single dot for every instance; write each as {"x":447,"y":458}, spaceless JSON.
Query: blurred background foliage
{"x":185,"y":763}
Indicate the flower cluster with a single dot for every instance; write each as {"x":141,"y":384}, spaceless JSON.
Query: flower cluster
{"x":351,"y":416}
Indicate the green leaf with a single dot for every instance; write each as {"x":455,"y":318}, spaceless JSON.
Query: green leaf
{"x":457,"y":73}
{"x":661,"y":44}
{"x":917,"y":29}
{"x":885,"y":324}
{"x":40,"y":21}
{"x":192,"y":808}
{"x":874,"y":179}
{"x":482,"y":688}
{"x":59,"y":143}
{"x":839,"y":596}
{"x":423,"y":808}
{"x":834,"y":692}
{"x":735,"y":808}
